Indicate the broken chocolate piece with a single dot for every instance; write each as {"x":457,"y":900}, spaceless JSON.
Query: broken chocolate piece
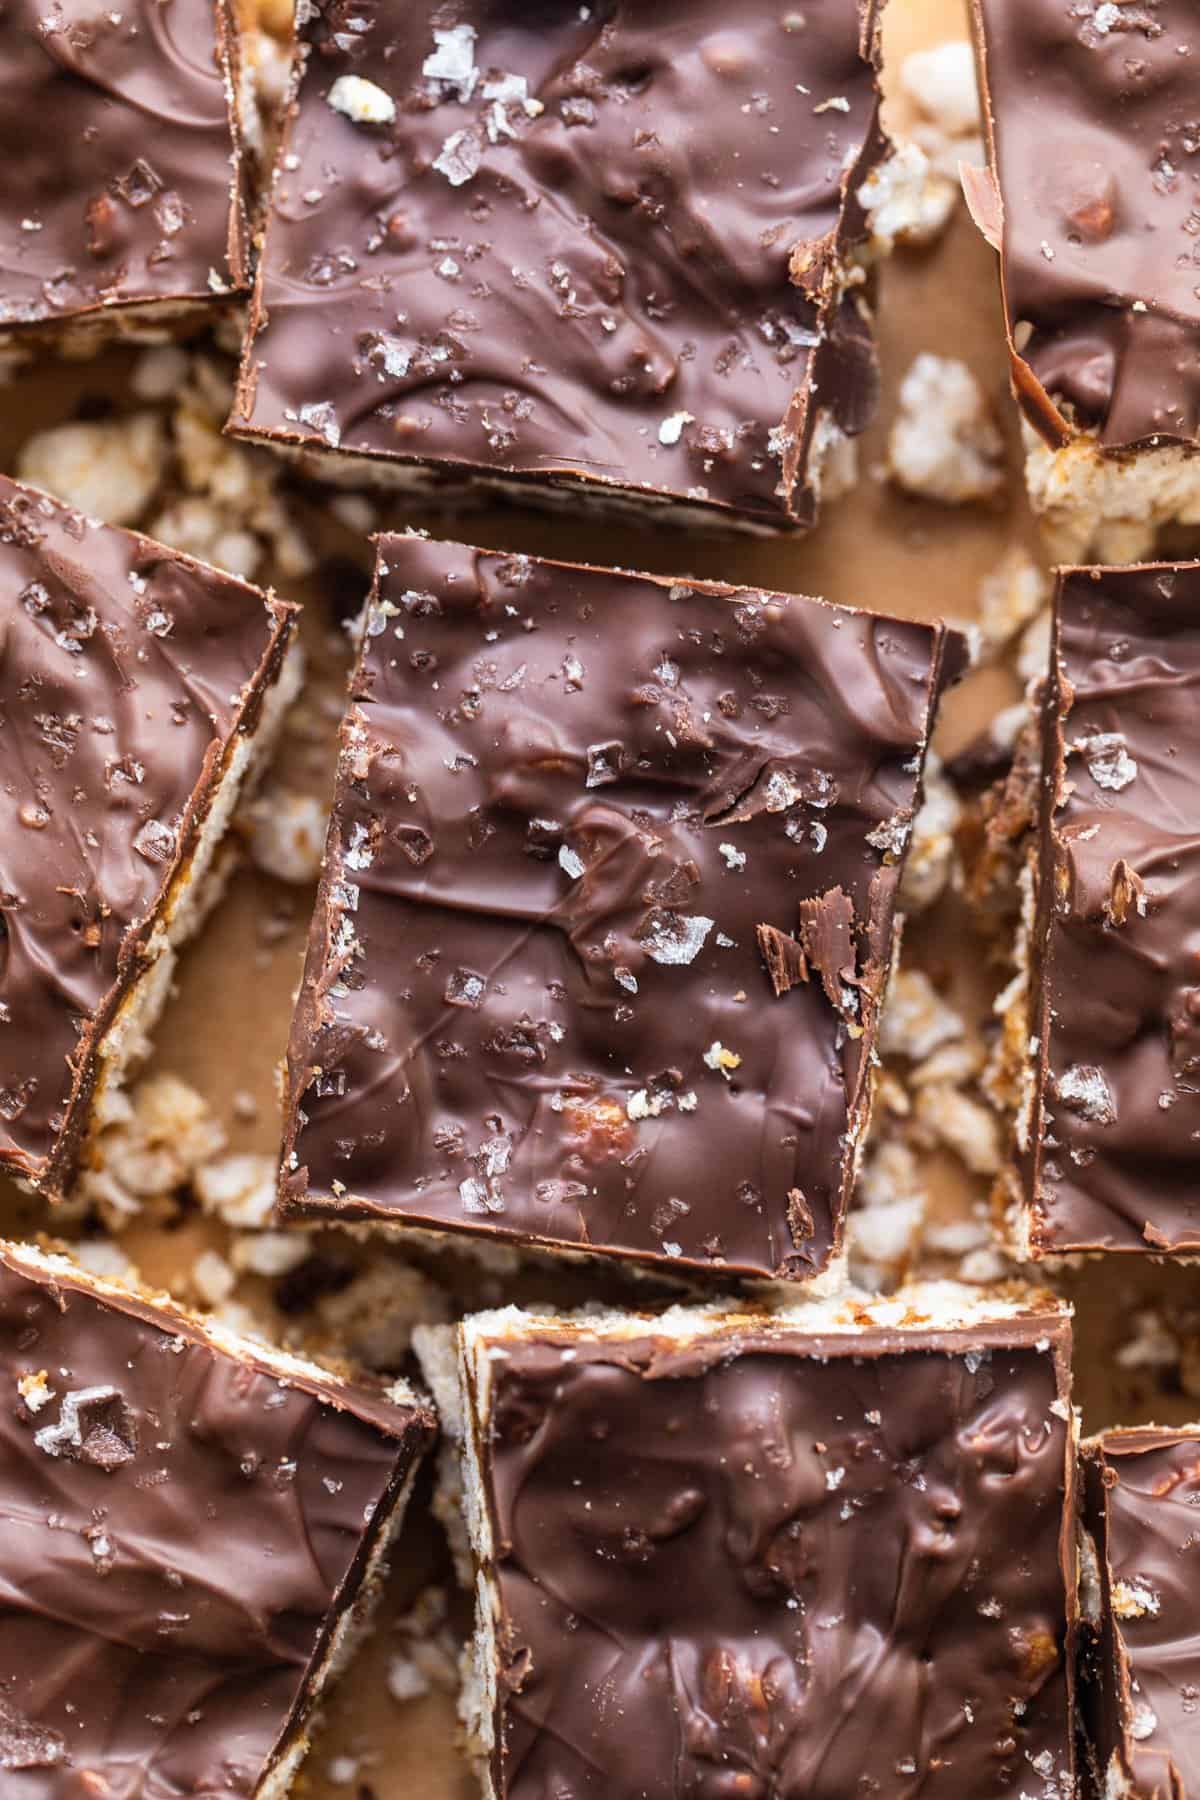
{"x":192,"y":1528}
{"x":770,"y":1553}
{"x":1140,"y":1673}
{"x":123,"y":205}
{"x":137,"y":691}
{"x":1109,"y":1155}
{"x":569,"y":804}
{"x":617,"y":251}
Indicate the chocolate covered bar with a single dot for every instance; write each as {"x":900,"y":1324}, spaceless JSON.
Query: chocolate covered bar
{"x":1090,"y":112}
{"x":1140,"y":1673}
{"x":822,"y":1551}
{"x":123,"y":206}
{"x":607,"y":912}
{"x":1109,"y":1135}
{"x":138,"y":691}
{"x":617,"y":250}
{"x":192,"y":1531}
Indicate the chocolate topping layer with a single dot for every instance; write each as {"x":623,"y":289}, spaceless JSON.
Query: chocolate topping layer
{"x":799,"y":1569}
{"x":605,"y":245}
{"x":1095,"y":150}
{"x":607,"y":910}
{"x":1114,"y":1161}
{"x":180,"y":1529}
{"x":122,"y":156}
{"x":1142,"y":1676}
{"x":127,"y":674}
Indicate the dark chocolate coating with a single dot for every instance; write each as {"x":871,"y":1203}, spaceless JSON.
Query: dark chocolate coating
{"x":127,"y":672}
{"x":657,"y":224}
{"x":587,"y":827}
{"x":168,"y":1582}
{"x":1141,"y":1676}
{"x":1115,"y":1157}
{"x":828,"y":1569}
{"x":122,"y":158}
{"x":1092,"y":117}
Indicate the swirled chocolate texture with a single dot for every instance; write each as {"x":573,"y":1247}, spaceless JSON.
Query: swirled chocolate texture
{"x":1095,"y":154}
{"x":181,"y":1530}
{"x":799,"y":1570}
{"x":607,"y":910}
{"x":129,"y":675}
{"x":1141,"y":1671}
{"x":1113,"y":1154}
{"x":123,"y":161}
{"x":608,"y":246}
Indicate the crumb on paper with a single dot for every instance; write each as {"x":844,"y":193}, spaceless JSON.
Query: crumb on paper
{"x":212,"y":1279}
{"x":1011,"y":597}
{"x":906,"y":199}
{"x":911,"y":196}
{"x":238,"y":1189}
{"x":966,"y":1126}
{"x":942,"y":83}
{"x":884,"y":1225}
{"x":915,"y":1019}
{"x":270,"y":1254}
{"x":944,"y":443}
{"x":151,"y":1142}
{"x":287,"y":833}
{"x":109,"y":469}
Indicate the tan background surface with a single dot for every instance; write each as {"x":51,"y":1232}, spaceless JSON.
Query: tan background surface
{"x":226,"y":1027}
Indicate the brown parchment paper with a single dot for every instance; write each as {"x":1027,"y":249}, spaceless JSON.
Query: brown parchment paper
{"x":226,"y":1026}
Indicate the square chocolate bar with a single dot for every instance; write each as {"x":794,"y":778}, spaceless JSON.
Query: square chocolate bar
{"x":1141,"y":1669}
{"x":138,"y":691}
{"x":1090,"y":113}
{"x":192,"y":1531}
{"x":121,"y":143}
{"x":607,"y":912}
{"x":620,"y":250}
{"x":824,"y":1551}
{"x":1109,"y":1137}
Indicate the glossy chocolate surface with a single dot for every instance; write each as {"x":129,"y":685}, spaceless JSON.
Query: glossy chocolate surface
{"x":121,"y":155}
{"x":126,"y":672}
{"x":825,"y":1568}
{"x":605,"y":244}
{"x":1095,"y":150}
{"x":1116,"y":1012}
{"x":1142,"y":1676}
{"x":179,"y":1531}
{"x":607,"y":909}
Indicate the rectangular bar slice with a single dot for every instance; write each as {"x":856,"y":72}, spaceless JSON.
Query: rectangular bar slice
{"x":1109,"y":1144}
{"x":615,"y":249}
{"x":138,"y":689}
{"x":826,"y":1551}
{"x":607,"y":911}
{"x":124,"y":167}
{"x":192,"y":1529}
{"x":1140,"y":1674}
{"x":1090,"y":113}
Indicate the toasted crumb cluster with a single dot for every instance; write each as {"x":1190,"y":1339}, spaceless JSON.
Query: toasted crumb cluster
{"x":911,"y":197}
{"x":168,"y":469}
{"x":945,"y":444}
{"x":1095,"y":506}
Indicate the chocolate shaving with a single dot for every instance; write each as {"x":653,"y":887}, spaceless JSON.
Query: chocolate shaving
{"x":800,"y":1219}
{"x":827,"y":941}
{"x":785,"y":960}
{"x":1126,"y":889}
